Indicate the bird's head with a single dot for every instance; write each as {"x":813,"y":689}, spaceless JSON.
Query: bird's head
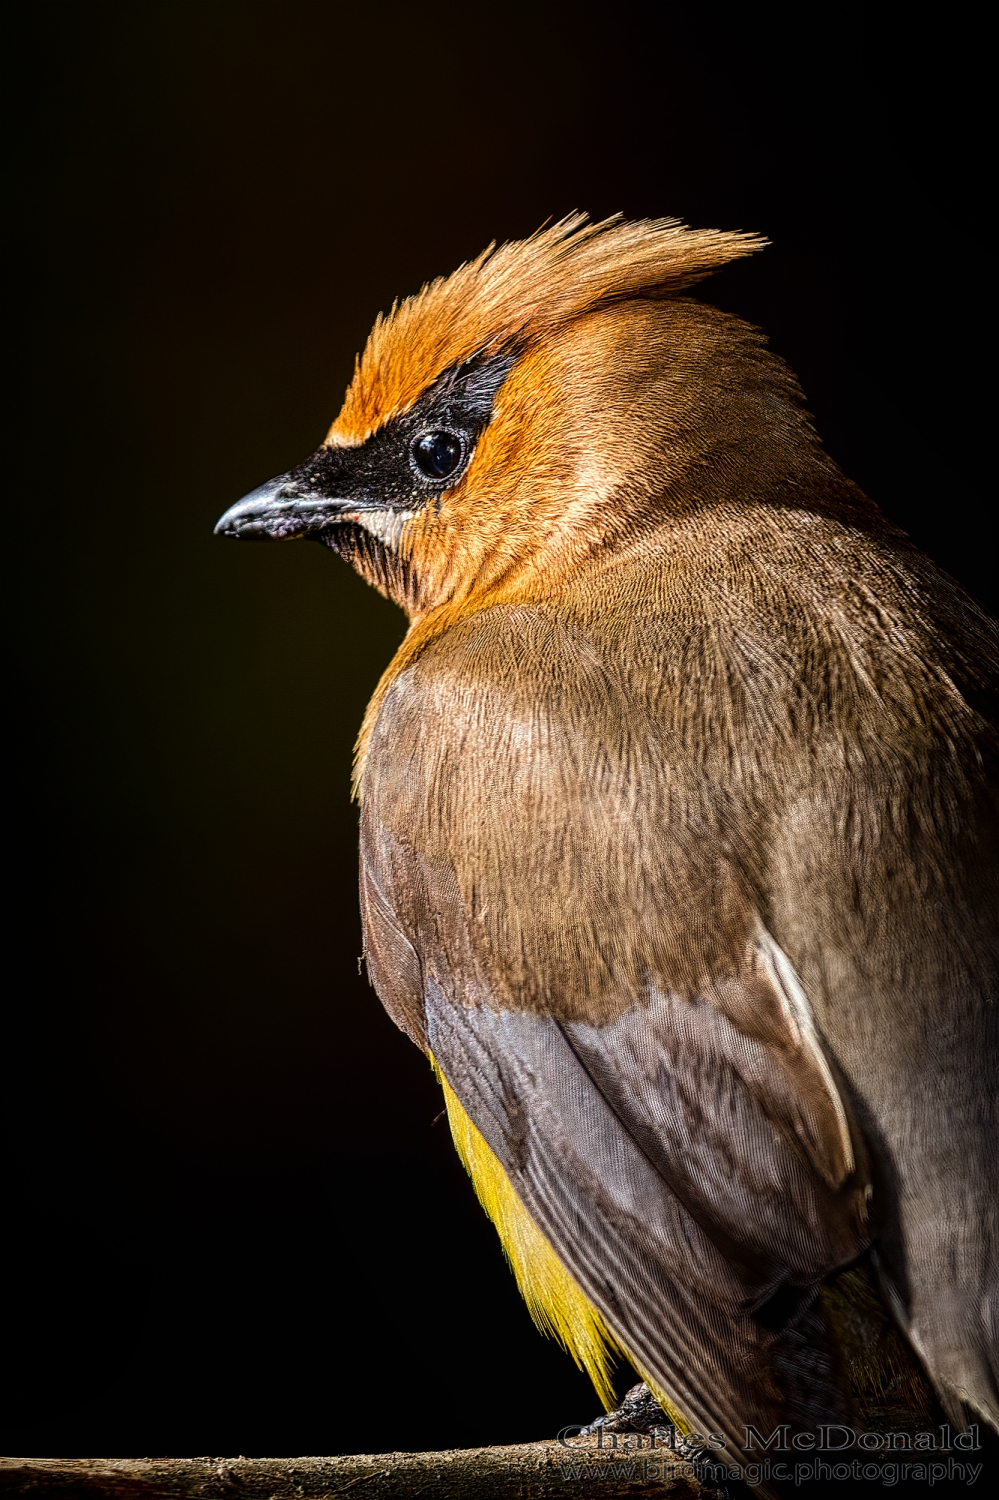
{"x":520,"y":413}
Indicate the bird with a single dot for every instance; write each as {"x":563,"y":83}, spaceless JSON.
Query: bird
{"x":677,"y":833}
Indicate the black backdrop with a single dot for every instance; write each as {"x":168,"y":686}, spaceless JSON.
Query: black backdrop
{"x":231,"y":1223}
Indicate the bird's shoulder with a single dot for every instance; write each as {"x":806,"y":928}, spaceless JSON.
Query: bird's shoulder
{"x":517,"y":701}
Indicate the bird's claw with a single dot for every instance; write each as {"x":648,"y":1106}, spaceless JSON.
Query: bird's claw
{"x":639,"y":1411}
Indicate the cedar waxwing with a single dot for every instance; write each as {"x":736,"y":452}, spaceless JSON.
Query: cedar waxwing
{"x":676,"y":823}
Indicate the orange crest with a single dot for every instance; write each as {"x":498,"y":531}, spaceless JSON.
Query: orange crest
{"x":517,"y":292}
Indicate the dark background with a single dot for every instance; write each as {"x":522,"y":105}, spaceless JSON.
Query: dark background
{"x":231,"y":1223}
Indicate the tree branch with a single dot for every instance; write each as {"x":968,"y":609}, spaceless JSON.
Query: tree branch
{"x":527,"y":1471}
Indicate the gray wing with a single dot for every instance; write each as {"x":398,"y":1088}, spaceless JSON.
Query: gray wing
{"x":682,"y":1146}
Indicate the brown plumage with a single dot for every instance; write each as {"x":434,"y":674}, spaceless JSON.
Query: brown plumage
{"x":676,"y":822}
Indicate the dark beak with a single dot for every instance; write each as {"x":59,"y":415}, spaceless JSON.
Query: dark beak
{"x":281,"y":510}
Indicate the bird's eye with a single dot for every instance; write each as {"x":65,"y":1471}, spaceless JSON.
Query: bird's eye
{"x":437,"y":454}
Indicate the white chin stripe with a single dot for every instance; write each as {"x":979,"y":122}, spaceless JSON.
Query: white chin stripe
{"x":386,"y":525}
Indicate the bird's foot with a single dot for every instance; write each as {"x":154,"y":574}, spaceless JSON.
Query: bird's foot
{"x":640,"y":1412}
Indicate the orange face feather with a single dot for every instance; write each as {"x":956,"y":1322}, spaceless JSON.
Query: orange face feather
{"x":585,"y":310}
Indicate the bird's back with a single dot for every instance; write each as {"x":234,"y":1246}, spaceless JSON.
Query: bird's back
{"x":762,"y":736}
{"x":827,"y":699}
